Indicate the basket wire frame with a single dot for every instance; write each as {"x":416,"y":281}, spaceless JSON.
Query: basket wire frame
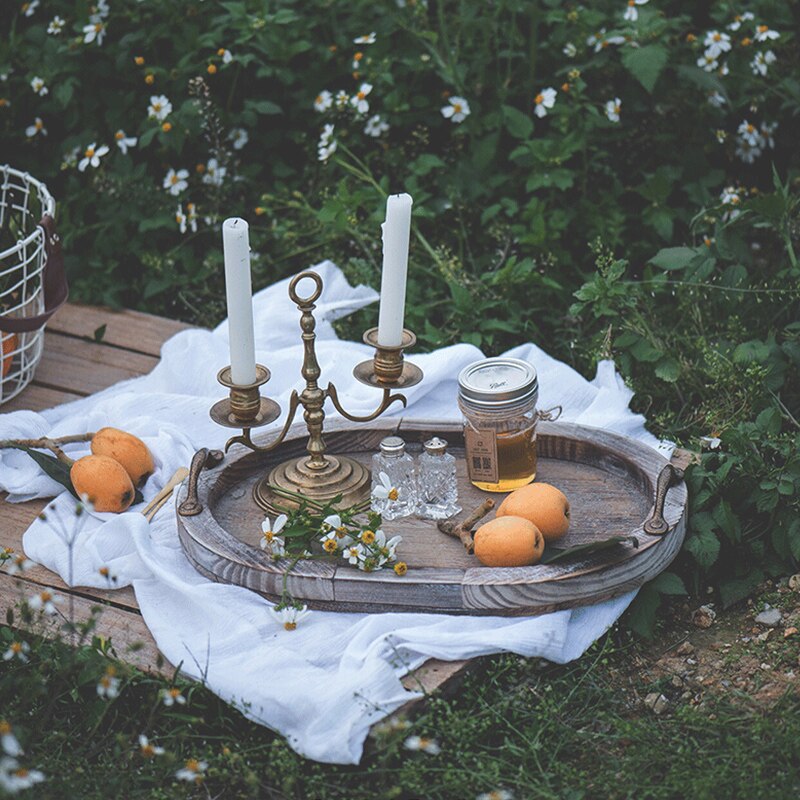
{"x":23,"y":202}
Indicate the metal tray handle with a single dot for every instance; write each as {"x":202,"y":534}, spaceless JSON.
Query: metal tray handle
{"x":669,"y":476}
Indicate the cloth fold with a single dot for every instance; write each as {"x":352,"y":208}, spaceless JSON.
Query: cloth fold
{"x":338,"y":673}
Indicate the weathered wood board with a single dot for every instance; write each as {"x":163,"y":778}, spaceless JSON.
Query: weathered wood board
{"x":610,"y":481}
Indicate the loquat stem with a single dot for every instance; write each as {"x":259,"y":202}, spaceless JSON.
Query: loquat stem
{"x":53,"y":445}
{"x":463,"y":530}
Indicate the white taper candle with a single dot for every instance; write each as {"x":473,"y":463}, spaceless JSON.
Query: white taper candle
{"x":239,"y":292}
{"x":396,"y":234}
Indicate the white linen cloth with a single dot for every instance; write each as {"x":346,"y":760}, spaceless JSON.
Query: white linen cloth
{"x":323,"y":685}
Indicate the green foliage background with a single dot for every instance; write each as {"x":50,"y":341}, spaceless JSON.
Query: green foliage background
{"x":590,"y":236}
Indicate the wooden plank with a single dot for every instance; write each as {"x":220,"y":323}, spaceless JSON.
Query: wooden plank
{"x":125,"y":329}
{"x":35,"y":398}
{"x":84,"y":368}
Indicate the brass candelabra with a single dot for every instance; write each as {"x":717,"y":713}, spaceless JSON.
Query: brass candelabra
{"x":318,"y":475}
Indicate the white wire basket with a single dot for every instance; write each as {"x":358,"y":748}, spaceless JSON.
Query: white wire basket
{"x":32,"y":281}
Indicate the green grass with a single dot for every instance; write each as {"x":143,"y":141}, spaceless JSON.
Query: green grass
{"x":541,"y":731}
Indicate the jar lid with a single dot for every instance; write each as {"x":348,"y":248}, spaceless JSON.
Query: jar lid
{"x":494,"y":382}
{"x":436,"y":446}
{"x":393,"y":446}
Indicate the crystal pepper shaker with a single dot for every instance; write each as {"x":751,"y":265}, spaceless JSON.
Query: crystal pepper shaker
{"x":437,"y":489}
{"x":393,"y":491}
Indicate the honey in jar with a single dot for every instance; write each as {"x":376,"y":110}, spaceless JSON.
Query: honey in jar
{"x":498,"y":399}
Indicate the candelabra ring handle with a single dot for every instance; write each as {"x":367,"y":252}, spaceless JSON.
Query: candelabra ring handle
{"x":313,"y":297}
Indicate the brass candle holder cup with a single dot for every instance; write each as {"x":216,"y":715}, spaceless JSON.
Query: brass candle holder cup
{"x":318,"y":475}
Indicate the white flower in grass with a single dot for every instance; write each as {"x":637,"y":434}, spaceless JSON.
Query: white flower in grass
{"x":341,"y":99}
{"x":613,"y":108}
{"x":544,"y":100}
{"x":29,"y":8}
{"x":631,"y":12}
{"x":600,"y":41}
{"x":180,"y":218}
{"x":37,"y":128}
{"x":11,"y":747}
{"x":38,"y":86}
{"x":192,"y":771}
{"x":716,"y":99}
{"x":739,"y":19}
{"x":716,"y":43}
{"x":359,"y":99}
{"x":225,"y":55}
{"x":101,"y":10}
{"x":147,"y":749}
{"x":330,"y":543}
{"x":367,"y":39}
{"x":354,"y":553}
{"x":124,"y":142}
{"x":375,"y":126}
{"x":108,"y":686}
{"x":764,"y":34}
{"x":270,"y":534}
{"x":327,"y":144}
{"x":14,"y":778}
{"x":384,"y":490}
{"x":721,"y":135}
{"x":56,"y":25}
{"x":92,"y":156}
{"x":747,"y":153}
{"x":496,"y":794}
{"x":71,"y":159}
{"x":19,"y":565}
{"x":456,"y":110}
{"x":44,"y":601}
{"x":94,"y":32}
{"x":423,"y":743}
{"x":730,"y":196}
{"x":767,"y":129}
{"x":570,"y":51}
{"x":176,"y":182}
{"x":760,"y":64}
{"x":750,"y":134}
{"x":723,"y":69}
{"x":708,"y":62}
{"x":160,"y":108}
{"x":18,"y":650}
{"x":239,"y":137}
{"x":290,"y":617}
{"x":169,"y":697}
{"x":214,"y":174}
{"x":323,"y":101}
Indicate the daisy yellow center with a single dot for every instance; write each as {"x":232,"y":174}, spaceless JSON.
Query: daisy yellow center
{"x":221,"y":51}
{"x":539,"y":99}
{"x":423,"y":743}
{"x":89,"y":152}
{"x":39,"y":125}
{"x":173,"y":693}
{"x":157,"y":106}
{"x":105,"y":681}
{"x":631,"y":3}
{"x":368,"y":537}
{"x":5,"y":728}
{"x":341,"y":531}
{"x":751,"y":128}
{"x":46,"y":597}
{"x":734,"y":200}
{"x":119,"y":136}
{"x":393,"y":493}
{"x":173,"y":180}
{"x":353,"y":552}
{"x":361,"y":95}
{"x":104,"y":570}
{"x":25,"y":7}
{"x":717,"y":37}
{"x":190,"y":208}
{"x":319,"y":99}
{"x":330,"y":546}
{"x":401,"y":568}
{"x":193,"y":765}
{"x":148,"y":750}
{"x":98,"y":26}
{"x":762,"y":28}
{"x":290,"y":626}
{"x":358,"y":56}
{"x":457,"y":109}
{"x":21,"y":772}
{"x":746,"y":41}
{"x":16,"y":648}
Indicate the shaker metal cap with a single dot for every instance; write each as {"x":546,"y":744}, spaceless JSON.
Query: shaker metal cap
{"x":393,"y":446}
{"x":436,"y":446}
{"x":498,"y":381}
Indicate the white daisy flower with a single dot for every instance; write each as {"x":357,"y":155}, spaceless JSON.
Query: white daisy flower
{"x":544,"y":100}
{"x":730,"y":196}
{"x":767,"y":129}
{"x":323,"y":101}
{"x":368,"y":39}
{"x":29,"y":8}
{"x":19,"y":565}
{"x":760,"y":64}
{"x":191,"y":216}
{"x":739,"y":19}
{"x":11,"y":747}
{"x":359,"y":99}
{"x":723,"y":69}
{"x":92,"y":155}
{"x":239,"y":137}
{"x":341,"y":99}
{"x":14,"y":778}
{"x":18,"y":650}
{"x":56,"y":25}
{"x":180,"y":218}
{"x":176,"y":182}
{"x":290,"y":617}
{"x":763,"y":33}
{"x":94,"y":32}
{"x":426,"y":745}
{"x":269,"y":532}
{"x":124,"y":142}
{"x":38,"y":86}
{"x":147,"y":749}
{"x":708,"y":62}
{"x":71,"y":159}
{"x":570,"y":51}
{"x":160,"y":108}
{"x":384,"y":490}
{"x":169,"y":697}
{"x":599,"y":40}
{"x":101,"y":10}
{"x":716,"y":43}
{"x":716,"y":99}
{"x":37,"y":128}
{"x":376,"y":126}
{"x":748,"y":153}
{"x":496,"y":794}
{"x":327,"y":144}
{"x":214,"y":174}
{"x":750,"y":134}
{"x":456,"y":110}
{"x":613,"y":108}
{"x":44,"y":601}
{"x":225,"y":55}
{"x":631,"y":12}
{"x":108,"y":687}
{"x":354,"y":553}
{"x":193,"y":771}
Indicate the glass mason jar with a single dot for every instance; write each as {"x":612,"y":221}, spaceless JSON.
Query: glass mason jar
{"x":498,"y":399}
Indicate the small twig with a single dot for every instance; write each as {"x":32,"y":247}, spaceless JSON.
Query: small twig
{"x":53,"y":445}
{"x":463,"y":530}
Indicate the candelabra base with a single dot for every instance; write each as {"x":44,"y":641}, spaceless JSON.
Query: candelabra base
{"x":340,"y":476}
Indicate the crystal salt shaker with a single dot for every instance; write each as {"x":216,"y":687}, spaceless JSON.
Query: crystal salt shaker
{"x":437,"y":489}
{"x":393,"y":492}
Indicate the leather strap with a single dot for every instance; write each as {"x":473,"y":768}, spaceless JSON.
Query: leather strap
{"x":54,"y":279}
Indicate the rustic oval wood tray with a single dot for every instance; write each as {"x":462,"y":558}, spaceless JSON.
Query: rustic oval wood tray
{"x":610,"y":481}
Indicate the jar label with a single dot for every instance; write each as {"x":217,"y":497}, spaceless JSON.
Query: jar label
{"x":481,"y":449}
